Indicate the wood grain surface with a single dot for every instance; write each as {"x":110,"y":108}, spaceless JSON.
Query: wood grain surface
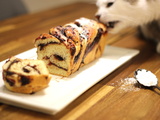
{"x":111,"y":98}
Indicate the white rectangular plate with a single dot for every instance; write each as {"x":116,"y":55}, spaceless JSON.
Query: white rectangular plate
{"x":63,"y":90}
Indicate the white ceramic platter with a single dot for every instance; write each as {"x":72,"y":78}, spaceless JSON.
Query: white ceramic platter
{"x":63,"y":90}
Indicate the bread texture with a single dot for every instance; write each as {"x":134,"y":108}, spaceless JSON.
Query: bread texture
{"x":25,"y":75}
{"x":67,"y":48}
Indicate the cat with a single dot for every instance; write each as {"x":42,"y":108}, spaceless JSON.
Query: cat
{"x":143,"y":14}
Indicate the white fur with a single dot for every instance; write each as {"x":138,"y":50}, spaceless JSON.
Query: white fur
{"x":128,"y":14}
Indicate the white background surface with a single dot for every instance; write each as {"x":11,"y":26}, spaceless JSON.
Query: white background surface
{"x":39,"y":5}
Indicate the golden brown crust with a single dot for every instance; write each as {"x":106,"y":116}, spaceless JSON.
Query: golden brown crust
{"x":80,"y":42}
{"x":37,"y":83}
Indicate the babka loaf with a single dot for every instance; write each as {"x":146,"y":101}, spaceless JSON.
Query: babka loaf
{"x":67,"y":48}
{"x":25,"y":76}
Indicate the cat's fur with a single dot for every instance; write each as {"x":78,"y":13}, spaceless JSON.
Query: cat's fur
{"x":119,"y":14}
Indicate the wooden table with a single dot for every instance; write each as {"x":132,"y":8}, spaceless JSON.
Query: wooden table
{"x":106,"y":99}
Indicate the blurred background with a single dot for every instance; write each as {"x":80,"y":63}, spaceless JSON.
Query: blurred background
{"x":12,"y":8}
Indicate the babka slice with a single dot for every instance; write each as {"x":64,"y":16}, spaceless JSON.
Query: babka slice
{"x":67,"y":48}
{"x":25,"y":75}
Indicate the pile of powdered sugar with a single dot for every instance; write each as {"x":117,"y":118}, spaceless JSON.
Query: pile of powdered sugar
{"x":127,"y":85}
{"x":146,"y":78}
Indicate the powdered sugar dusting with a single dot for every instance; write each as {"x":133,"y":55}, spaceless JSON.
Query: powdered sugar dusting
{"x":127,"y":85}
